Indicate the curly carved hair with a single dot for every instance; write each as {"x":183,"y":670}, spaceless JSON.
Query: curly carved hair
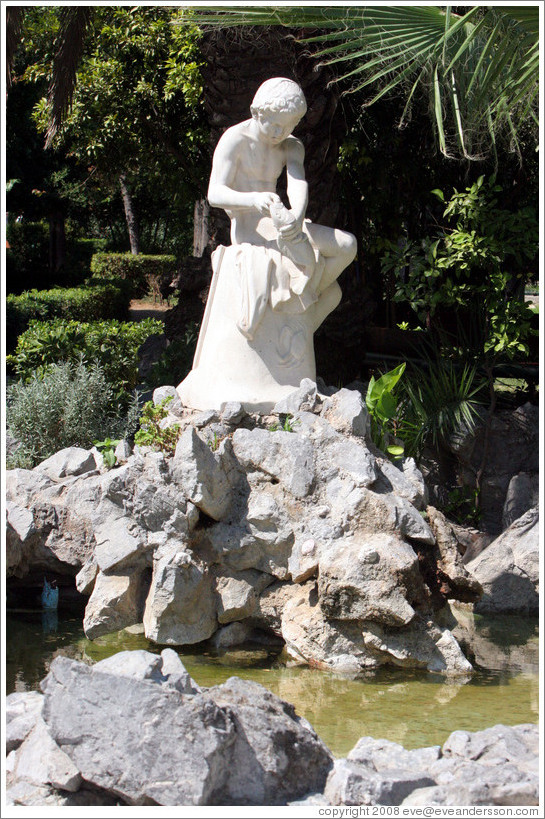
{"x":279,"y":96}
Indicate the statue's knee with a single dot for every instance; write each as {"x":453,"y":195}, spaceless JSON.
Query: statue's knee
{"x":349,"y":246}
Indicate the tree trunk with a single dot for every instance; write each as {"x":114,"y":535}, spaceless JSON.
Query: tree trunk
{"x":130,"y":215}
{"x":200,"y":227}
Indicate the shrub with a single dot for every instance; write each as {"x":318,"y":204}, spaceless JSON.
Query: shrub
{"x":97,"y":300}
{"x":111,"y":344}
{"x":71,"y":405}
{"x":28,"y":256}
{"x":145,"y":272}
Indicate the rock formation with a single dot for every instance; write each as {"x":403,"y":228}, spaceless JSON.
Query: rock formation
{"x":233,"y":744}
{"x":292,"y":524}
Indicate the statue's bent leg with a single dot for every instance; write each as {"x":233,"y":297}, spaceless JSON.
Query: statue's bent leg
{"x":338,"y":247}
{"x":329,"y":299}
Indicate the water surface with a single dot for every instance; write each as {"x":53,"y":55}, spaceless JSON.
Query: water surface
{"x":410,"y":707}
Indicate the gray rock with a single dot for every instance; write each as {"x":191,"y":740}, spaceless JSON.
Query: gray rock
{"x":508,"y":569}
{"x":21,"y":521}
{"x":312,"y":639}
{"x":286,"y":456}
{"x":350,"y":783}
{"x":231,"y":635}
{"x":476,"y":784}
{"x":232,"y":412}
{"x":161,"y":393}
{"x":238,"y":594}
{"x":350,"y":457}
{"x":277,"y":757}
{"x":403,"y":479}
{"x":346,"y":412}
{"x":40,"y":761}
{"x":420,"y":644}
{"x":200,"y":475}
{"x":384,"y":755}
{"x":70,"y":461}
{"x":120,"y":542}
{"x":304,"y":398}
{"x":123,"y":451}
{"x":304,"y":559}
{"x":22,"y":713}
{"x":117,"y":601}
{"x":370,"y":577}
{"x":175,"y":673}
{"x":169,"y":749}
{"x":22,"y":485}
{"x":463,"y":586}
{"x":85,"y":578}
{"x":164,"y":669}
{"x":180,"y":608}
{"x":522,"y":495}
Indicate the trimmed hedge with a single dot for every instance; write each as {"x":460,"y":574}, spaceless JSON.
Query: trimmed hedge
{"x":113,"y":345}
{"x":144,"y":272}
{"x":27,"y":259}
{"x":96,"y":300}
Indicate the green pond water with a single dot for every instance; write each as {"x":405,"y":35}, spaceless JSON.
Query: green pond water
{"x":409,"y":707}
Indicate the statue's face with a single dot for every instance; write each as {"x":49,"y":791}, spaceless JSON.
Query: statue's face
{"x":275,"y":127}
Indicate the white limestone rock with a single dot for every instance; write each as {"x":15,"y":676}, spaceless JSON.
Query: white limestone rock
{"x":67,"y":462}
{"x":181,"y":606}
{"x":370,"y":577}
{"x":115,"y":602}
{"x":200,"y":475}
{"x":508,"y":569}
{"x":285,"y":456}
{"x":347,"y":413}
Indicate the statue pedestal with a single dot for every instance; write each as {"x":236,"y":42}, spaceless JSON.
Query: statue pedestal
{"x":256,"y":340}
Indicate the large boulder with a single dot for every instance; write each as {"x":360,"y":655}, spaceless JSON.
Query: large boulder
{"x":508,"y":569}
{"x":181,"y":606}
{"x":234,"y":744}
{"x":276,"y":755}
{"x":370,"y":577}
{"x":169,"y":749}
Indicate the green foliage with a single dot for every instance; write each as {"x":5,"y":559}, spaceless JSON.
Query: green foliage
{"x":176,"y":361}
{"x":111,"y":344}
{"x":478,"y":68}
{"x":107,"y":450}
{"x":144,"y":272}
{"x":287,"y":423}
{"x":152,"y":433}
{"x":472,"y":268}
{"x":438,"y":401}
{"x":382,"y":405}
{"x":96,"y":300}
{"x":462,"y":506}
{"x":72,"y":404}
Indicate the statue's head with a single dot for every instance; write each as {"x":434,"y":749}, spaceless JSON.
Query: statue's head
{"x":279,"y":96}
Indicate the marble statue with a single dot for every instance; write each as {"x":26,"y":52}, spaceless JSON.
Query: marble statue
{"x":277,"y":281}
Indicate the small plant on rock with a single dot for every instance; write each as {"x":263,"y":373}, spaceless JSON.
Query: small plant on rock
{"x":153,"y":431}
{"x":107,"y":450}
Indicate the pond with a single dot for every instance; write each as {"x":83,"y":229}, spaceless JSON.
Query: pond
{"x":410,"y":707}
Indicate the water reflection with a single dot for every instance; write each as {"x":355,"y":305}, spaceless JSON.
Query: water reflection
{"x":411,"y":707}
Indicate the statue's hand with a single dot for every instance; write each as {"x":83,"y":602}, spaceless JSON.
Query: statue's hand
{"x":263,"y":201}
{"x":291,"y":231}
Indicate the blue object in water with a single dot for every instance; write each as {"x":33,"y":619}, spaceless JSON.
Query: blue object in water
{"x":50,"y":596}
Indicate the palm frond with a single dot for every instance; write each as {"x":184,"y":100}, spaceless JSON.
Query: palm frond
{"x":480,"y":68}
{"x":74,"y":21}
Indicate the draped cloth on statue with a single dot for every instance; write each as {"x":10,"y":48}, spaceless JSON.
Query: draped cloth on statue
{"x":256,"y":340}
